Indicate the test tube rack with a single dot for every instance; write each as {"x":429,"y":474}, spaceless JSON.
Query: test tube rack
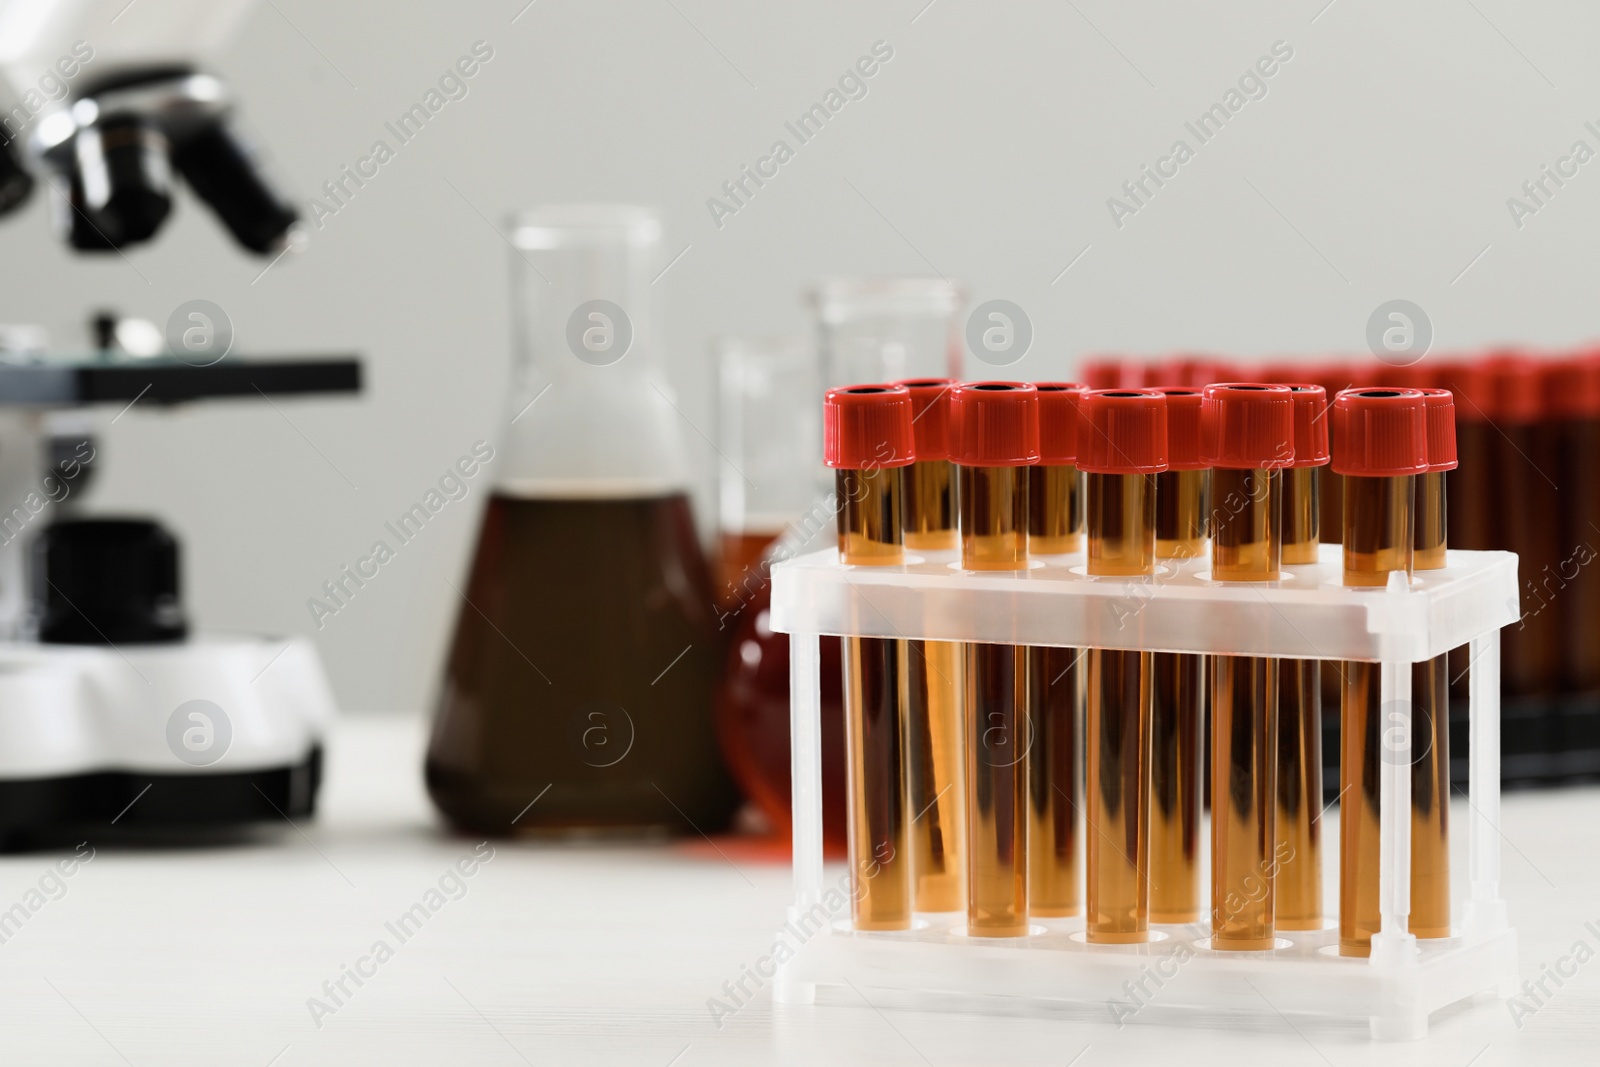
{"x":1307,"y":614}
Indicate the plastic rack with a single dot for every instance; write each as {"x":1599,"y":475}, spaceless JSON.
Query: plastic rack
{"x":1307,"y":614}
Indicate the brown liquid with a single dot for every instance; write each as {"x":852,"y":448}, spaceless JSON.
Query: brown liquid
{"x":1469,"y":488}
{"x":1117,"y":813}
{"x":1471,"y":510}
{"x":1359,"y":768}
{"x":1180,"y":694}
{"x":1577,"y":578}
{"x":1297,"y":898}
{"x":1529,"y":462}
{"x":1055,"y":510}
{"x":938,"y":797}
{"x":738,"y":565}
{"x":1430,"y":737}
{"x":1244,"y":863}
{"x":1055,"y":699}
{"x":1430,"y":799}
{"x":997,"y":791}
{"x":880,"y":827}
{"x":1330,"y":523}
{"x":578,"y":690}
{"x":933,"y":722}
{"x":1378,"y":539}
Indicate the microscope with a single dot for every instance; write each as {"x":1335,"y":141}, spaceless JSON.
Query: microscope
{"x":114,"y":715}
{"x":107,"y":103}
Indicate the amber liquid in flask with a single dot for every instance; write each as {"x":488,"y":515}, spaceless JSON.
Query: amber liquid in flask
{"x":578,"y":689}
{"x":584,"y":683}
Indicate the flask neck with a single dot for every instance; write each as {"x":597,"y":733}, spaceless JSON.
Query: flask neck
{"x":590,"y":414}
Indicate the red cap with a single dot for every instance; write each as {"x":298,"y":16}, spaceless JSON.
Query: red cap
{"x":1248,"y":425}
{"x":1390,"y":376}
{"x":1282,"y":372}
{"x":1103,"y":373}
{"x":1122,"y":431}
{"x":1427,"y":374}
{"x":1441,"y":429}
{"x":1156,"y":375}
{"x":1504,"y":387}
{"x":994,"y":424}
{"x":1058,"y":421}
{"x":1572,"y":387}
{"x":1220,"y":370}
{"x":1185,"y":444}
{"x":1455,"y":375}
{"x":1310,"y":424}
{"x":1380,"y":433}
{"x":930,"y":415}
{"x":867,"y":426}
{"x":1194,"y":372}
{"x":1334,"y":376}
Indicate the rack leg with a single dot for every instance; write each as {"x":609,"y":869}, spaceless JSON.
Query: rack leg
{"x":1398,"y":1025}
{"x":805,"y":774}
{"x":1485,"y":911}
{"x":1394,"y":943}
{"x":805,"y":766}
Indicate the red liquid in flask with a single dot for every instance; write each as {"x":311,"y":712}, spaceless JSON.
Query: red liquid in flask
{"x":753,"y":720}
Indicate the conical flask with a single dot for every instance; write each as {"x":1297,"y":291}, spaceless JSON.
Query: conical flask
{"x":578,"y":691}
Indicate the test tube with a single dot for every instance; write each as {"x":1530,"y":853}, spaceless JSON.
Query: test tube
{"x":1526,"y":508}
{"x":1379,"y":446}
{"x":1572,"y":399}
{"x":1180,"y":683}
{"x":1334,"y":378}
{"x":995,"y":438}
{"x":1122,"y":446}
{"x":1430,"y":692}
{"x":1469,"y":494}
{"x":938,"y":795}
{"x":1470,"y":501}
{"x":1298,"y":891}
{"x":1055,"y":681}
{"x":1249,"y":440}
{"x":868,"y":441}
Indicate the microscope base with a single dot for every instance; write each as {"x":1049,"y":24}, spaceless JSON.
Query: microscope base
{"x":176,"y":739}
{"x":40,"y":811}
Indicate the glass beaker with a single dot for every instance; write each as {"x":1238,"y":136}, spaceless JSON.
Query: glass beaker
{"x":888,"y":329}
{"x":578,"y":690}
{"x":769,"y":431}
{"x":870,"y":330}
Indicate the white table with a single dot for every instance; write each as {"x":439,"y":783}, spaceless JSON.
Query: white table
{"x":602,"y":954}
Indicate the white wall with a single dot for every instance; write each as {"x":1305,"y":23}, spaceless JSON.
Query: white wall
{"x":1378,"y":165}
